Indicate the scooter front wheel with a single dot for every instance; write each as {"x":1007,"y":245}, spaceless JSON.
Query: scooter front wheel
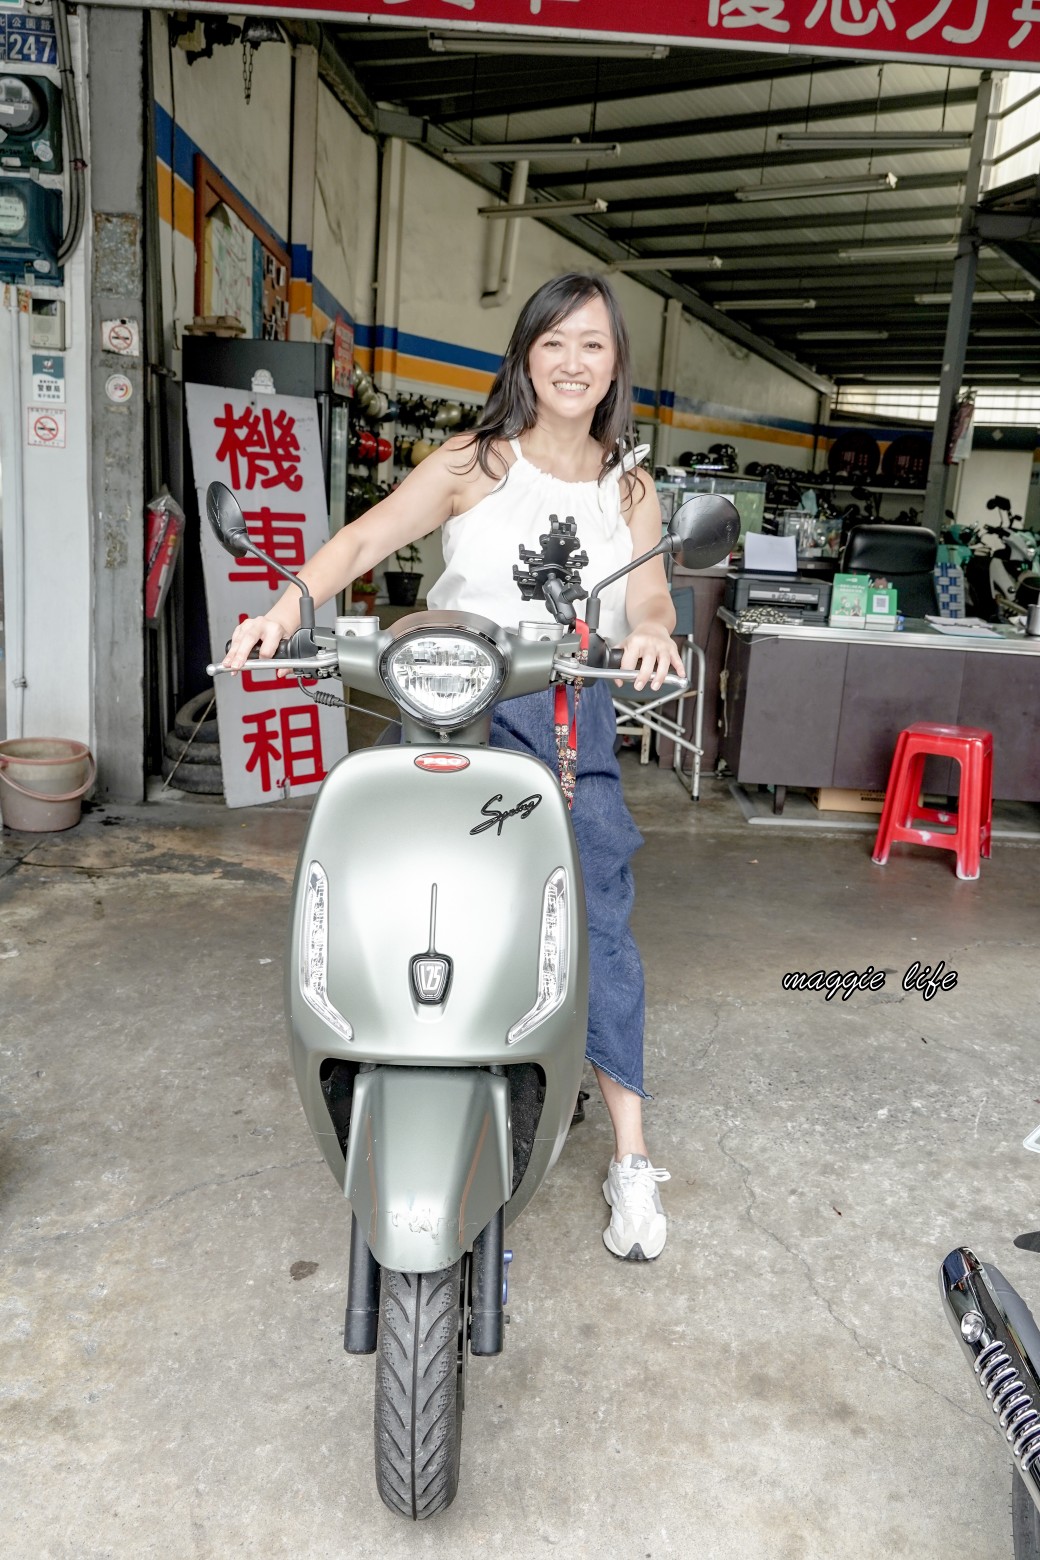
{"x":1025,"y":1520}
{"x":420,"y":1359}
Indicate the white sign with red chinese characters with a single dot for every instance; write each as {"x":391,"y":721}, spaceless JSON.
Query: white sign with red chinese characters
{"x":274,"y":740}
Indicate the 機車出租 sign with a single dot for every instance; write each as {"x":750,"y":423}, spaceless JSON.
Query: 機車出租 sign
{"x":274,"y":740}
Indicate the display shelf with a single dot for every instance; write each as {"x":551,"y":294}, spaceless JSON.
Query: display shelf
{"x":846,"y":487}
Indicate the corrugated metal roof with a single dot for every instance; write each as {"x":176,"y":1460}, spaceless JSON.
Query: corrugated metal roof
{"x":697,"y":127}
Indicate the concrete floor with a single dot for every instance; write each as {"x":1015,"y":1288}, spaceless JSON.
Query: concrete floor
{"x":782,"y":1383}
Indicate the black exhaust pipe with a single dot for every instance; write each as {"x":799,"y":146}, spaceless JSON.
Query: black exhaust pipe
{"x":362,"y":1319}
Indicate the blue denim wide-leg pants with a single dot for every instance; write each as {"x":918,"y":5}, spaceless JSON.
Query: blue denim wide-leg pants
{"x":607,"y":838}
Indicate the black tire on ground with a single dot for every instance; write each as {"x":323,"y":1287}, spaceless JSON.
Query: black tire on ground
{"x":204,"y":779}
{"x":197,"y":752}
{"x":188,"y":715}
{"x":419,"y":1385}
{"x":1025,"y":1520}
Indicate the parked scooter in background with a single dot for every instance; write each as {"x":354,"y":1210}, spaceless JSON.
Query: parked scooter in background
{"x":1000,"y":575}
{"x":437,"y":975}
{"x":1001,"y":1341}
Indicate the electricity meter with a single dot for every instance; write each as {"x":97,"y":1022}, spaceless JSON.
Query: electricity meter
{"x":20,"y":106}
{"x":30,"y":231}
{"x":14,"y":213}
{"x":30,"y":123}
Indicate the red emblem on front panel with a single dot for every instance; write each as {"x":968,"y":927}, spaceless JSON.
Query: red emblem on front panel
{"x":441,"y":763}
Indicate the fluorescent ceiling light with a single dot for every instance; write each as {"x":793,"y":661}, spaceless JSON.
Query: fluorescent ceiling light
{"x":901,"y":252}
{"x":1024,"y":296}
{"x":517,"y":151}
{"x":668,"y":263}
{"x":842,"y":335}
{"x":474,"y":43}
{"x":767,"y":303}
{"x":877,"y":140}
{"x":821,"y":187}
{"x":1012,"y":331}
{"x":545,"y":208}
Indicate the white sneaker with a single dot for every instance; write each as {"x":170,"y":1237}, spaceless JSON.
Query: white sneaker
{"x":638,"y":1229}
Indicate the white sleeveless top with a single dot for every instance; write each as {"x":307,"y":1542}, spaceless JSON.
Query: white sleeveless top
{"x":482,"y":545}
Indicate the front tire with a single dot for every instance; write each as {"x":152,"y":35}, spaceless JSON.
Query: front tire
{"x":1025,"y":1520}
{"x":419,"y":1390}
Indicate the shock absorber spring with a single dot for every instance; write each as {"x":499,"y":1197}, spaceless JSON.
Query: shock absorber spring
{"x":1011,"y":1402}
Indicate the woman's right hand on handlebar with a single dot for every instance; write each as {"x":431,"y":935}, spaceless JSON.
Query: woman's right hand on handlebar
{"x":265,"y":633}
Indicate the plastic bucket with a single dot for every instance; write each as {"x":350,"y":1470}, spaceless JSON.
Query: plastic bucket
{"x":43,"y":781}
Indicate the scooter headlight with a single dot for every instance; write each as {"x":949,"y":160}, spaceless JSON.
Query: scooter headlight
{"x":553,"y":958}
{"x":314,"y":951}
{"x":443,"y":679}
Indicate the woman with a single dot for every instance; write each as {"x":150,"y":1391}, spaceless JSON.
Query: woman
{"x":552,"y":439}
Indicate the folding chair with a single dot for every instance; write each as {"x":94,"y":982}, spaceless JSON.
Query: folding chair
{"x":643,"y":714}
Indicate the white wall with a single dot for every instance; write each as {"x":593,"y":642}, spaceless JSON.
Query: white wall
{"x":726,"y":394}
{"x":345,"y":211}
{"x":987,"y":472}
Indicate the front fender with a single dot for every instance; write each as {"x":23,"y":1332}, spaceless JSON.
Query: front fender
{"x":429,"y":1161}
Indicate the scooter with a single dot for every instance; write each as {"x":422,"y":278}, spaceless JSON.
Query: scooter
{"x":436,"y":991}
{"x":1001,"y":1341}
{"x":1000,"y":572}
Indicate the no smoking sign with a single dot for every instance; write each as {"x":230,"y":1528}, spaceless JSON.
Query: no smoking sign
{"x":121,"y":336}
{"x":47,"y":427}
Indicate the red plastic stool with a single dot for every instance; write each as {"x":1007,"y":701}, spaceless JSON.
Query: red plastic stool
{"x":902,"y":813}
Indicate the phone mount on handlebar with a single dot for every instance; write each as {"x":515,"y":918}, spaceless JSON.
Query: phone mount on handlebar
{"x":553,"y":574}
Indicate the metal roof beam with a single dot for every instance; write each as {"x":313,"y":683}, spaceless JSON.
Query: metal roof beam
{"x":815,"y":113}
{"x":699,"y":167}
{"x":815,"y":257}
{"x":702,"y":199}
{"x":878,"y":217}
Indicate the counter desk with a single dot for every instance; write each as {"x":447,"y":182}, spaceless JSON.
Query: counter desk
{"x":820,"y":707}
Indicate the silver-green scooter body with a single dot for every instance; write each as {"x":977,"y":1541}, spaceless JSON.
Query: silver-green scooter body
{"x":419,"y":859}
{"x":436,"y":979}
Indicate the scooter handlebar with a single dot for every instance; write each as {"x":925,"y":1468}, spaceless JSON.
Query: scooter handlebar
{"x":324,"y":661}
{"x":570,"y":670}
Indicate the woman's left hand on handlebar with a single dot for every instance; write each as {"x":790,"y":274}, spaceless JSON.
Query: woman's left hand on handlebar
{"x":652,"y":650}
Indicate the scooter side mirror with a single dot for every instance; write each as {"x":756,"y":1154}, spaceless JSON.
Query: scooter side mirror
{"x":225,"y":516}
{"x":704,"y":530}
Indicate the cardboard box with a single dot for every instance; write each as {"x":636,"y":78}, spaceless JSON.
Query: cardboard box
{"x":831,"y":799}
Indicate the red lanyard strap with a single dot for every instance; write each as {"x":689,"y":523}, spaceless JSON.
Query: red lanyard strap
{"x":565,"y":725}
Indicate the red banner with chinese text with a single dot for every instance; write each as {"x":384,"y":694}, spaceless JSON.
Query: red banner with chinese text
{"x":274,"y":740}
{"x":972,"y":32}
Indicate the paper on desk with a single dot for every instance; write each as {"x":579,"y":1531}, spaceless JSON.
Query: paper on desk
{"x":963,"y":628}
{"x":964,"y":622}
{"x":770,"y":554}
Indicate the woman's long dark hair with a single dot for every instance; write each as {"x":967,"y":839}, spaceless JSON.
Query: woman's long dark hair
{"x":511,"y":405}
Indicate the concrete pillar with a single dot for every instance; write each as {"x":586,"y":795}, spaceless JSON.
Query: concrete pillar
{"x":115,"y":152}
{"x":388,"y":262}
{"x":671,"y":340}
{"x":958,"y":321}
{"x":301,"y":197}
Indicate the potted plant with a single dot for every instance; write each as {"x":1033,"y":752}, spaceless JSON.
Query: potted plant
{"x":402,"y":583}
{"x":365,"y":590}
